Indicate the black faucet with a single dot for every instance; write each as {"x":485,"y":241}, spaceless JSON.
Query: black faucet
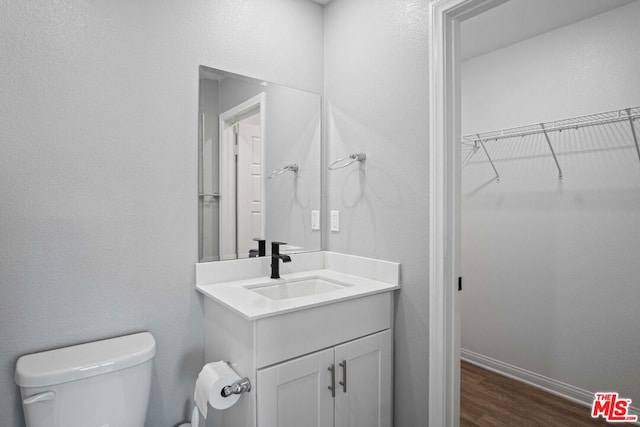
{"x":261,"y":251}
{"x":275,"y":259}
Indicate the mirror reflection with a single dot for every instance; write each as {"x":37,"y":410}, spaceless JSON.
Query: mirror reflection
{"x":259,"y":166}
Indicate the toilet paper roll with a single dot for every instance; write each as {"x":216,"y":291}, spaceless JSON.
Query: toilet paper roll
{"x":211,"y":380}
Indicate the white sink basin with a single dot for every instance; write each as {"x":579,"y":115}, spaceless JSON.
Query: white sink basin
{"x":297,"y":288}
{"x":244,"y":287}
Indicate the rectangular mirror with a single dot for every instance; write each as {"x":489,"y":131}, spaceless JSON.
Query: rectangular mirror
{"x":259,"y":166}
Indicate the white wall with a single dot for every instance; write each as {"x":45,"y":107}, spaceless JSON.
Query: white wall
{"x":376,"y":91}
{"x":551,"y":267}
{"x":99,"y":169}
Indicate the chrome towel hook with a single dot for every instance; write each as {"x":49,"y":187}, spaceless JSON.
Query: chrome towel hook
{"x":357,"y":157}
{"x":292,"y":167}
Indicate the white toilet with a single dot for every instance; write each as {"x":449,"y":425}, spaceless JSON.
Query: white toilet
{"x":195,"y":419}
{"x":98,"y":384}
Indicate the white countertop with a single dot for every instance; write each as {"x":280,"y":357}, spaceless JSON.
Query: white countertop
{"x":237,"y":297}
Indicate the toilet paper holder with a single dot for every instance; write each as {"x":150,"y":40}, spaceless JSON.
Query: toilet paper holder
{"x":241,"y":386}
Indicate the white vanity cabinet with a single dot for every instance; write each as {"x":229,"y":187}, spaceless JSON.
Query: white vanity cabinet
{"x":335,"y":311}
{"x":348,"y":385}
{"x":286,"y":357}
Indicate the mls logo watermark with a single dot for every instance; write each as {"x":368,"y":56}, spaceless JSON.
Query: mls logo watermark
{"x":612,"y":408}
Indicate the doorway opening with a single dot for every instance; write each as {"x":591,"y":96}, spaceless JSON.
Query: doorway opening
{"x":446,"y":184}
{"x":241,"y":211}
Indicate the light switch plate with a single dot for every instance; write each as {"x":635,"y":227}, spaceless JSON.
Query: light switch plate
{"x":315,"y":220}
{"x":335,"y":220}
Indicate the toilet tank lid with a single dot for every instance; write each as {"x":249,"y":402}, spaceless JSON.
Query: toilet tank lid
{"x":84,"y":360}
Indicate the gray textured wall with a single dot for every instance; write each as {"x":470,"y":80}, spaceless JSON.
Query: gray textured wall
{"x":98,"y":143}
{"x":376,"y":86}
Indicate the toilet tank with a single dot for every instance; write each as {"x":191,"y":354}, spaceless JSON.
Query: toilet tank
{"x":98,"y":384}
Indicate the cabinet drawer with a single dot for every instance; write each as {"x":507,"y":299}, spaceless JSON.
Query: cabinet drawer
{"x":293,"y":334}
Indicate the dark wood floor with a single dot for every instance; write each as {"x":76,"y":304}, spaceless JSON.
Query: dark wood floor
{"x":489,"y":399}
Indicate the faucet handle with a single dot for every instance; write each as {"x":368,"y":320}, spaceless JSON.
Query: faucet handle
{"x":262,"y":248}
{"x":278,"y":243}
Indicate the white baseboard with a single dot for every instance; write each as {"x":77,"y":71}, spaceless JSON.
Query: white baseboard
{"x":564,"y":390}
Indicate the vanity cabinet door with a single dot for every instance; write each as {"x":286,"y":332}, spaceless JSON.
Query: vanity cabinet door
{"x":296,"y":393}
{"x":363,"y":382}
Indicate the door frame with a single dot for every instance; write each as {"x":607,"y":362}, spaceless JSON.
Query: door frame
{"x":228,"y":214}
{"x":444,"y":204}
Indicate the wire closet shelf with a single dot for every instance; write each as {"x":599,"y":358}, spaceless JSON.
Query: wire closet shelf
{"x":476,"y":141}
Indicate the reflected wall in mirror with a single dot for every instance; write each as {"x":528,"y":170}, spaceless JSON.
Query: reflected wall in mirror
{"x":259,"y":166}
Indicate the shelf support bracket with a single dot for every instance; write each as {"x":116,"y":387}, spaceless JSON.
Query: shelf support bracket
{"x":633,"y":132}
{"x":546,"y":135}
{"x":469,"y":156}
{"x":489,"y":157}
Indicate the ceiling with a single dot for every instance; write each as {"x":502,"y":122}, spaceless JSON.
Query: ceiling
{"x":518,"y":20}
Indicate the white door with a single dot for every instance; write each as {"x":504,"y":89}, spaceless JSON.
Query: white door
{"x":363,"y":382}
{"x":296,"y":393}
{"x":249,"y":192}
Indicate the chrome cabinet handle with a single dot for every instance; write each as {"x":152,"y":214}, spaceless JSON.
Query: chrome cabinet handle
{"x":332,"y":387}
{"x":343,"y":383}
